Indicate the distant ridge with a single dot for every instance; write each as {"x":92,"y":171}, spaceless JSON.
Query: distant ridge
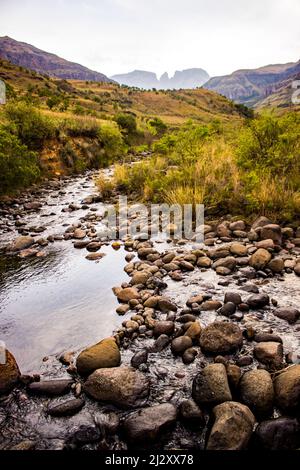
{"x":189,"y":78}
{"x":30,"y":57}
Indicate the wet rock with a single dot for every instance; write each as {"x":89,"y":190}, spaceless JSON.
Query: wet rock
{"x":21,"y":243}
{"x":211,"y":305}
{"x":146,"y":425}
{"x":190,"y":413}
{"x":165,"y":305}
{"x":232,"y":428}
{"x":250,"y":288}
{"x":290,"y":314}
{"x":108,"y":423}
{"x":180,"y":344}
{"x":140,"y":357}
{"x":244,"y":361}
{"x":269,"y":353}
{"x":122,"y":309}
{"x":194,"y":331}
{"x":103,"y":354}
{"x":53,"y":387}
{"x":28,"y":253}
{"x":186,"y":318}
{"x":210,"y":386}
{"x":221,"y":337}
{"x":287,"y":388}
{"x":93,"y":246}
{"x":9,"y":371}
{"x":67,"y":408}
{"x":233,"y":297}
{"x":238,"y":249}
{"x":161,"y":342}
{"x":140,"y":278}
{"x":66,"y":358}
{"x":257,"y":391}
{"x":265,"y":337}
{"x":121,"y":386}
{"x":222,"y":271}
{"x":228,"y":309}
{"x":260,"y":259}
{"x":297,"y":269}
{"x":127,"y":294}
{"x":258,"y":301}
{"x":278,"y":434}
{"x":195,"y":299}
{"x":276,"y":265}
{"x":229,"y":262}
{"x":163,"y":328}
{"x":95,"y":256}
{"x":151,"y":302}
{"x":189,"y":355}
{"x":204,"y":262}
{"x":79,"y":234}
{"x":273,"y":232}
{"x":85,"y":434}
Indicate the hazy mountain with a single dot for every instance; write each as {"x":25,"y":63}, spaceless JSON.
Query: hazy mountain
{"x":251,"y":86}
{"x":190,"y":78}
{"x":25,"y":55}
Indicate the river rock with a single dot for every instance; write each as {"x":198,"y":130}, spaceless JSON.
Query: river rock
{"x":53,"y":387}
{"x":278,"y":434}
{"x":9,"y":371}
{"x":272,"y":231}
{"x":21,"y":243}
{"x":127,"y":294}
{"x":232,"y":428}
{"x":194,"y":331}
{"x":165,"y":305}
{"x":140,"y":357}
{"x":257,"y":391}
{"x":233,"y":297}
{"x":163,"y":328}
{"x":140,"y":277}
{"x":276,"y":265}
{"x":260,"y":259}
{"x":229,"y":262}
{"x":122,"y":386}
{"x":103,"y":354}
{"x":161,"y":342}
{"x":258,"y":301}
{"x":210,"y":386}
{"x":211,"y":305}
{"x":238,"y":249}
{"x":146,"y":425}
{"x":266,"y":244}
{"x":180,"y":344}
{"x":287,"y":388}
{"x":260,"y":222}
{"x":79,"y":234}
{"x":190,"y":413}
{"x":66,"y":408}
{"x":204,"y":262}
{"x":228,"y":309}
{"x":237,"y":225}
{"x":269,"y":353}
{"x":189,"y":355}
{"x":95,"y":256}
{"x":290,"y":314}
{"x":221,"y":337}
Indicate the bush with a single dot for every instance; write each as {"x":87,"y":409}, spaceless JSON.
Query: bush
{"x":84,"y":127}
{"x":127,"y":122}
{"x":32,"y":128}
{"x":18,"y":165}
{"x":157,"y":126}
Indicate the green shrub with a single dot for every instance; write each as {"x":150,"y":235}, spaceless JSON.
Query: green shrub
{"x":157,"y":126}
{"x":32,"y":128}
{"x":18,"y":166}
{"x":127,"y":122}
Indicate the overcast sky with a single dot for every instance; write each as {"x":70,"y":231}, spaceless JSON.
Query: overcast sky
{"x":116,"y":36}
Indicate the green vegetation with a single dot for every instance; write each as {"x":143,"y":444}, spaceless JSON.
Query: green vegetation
{"x":253,"y":170}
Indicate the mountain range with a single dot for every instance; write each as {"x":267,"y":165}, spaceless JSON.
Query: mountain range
{"x":253,"y":86}
{"x":30,"y":57}
{"x":189,"y":78}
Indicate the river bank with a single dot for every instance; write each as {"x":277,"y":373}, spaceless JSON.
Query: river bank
{"x":197,"y":319}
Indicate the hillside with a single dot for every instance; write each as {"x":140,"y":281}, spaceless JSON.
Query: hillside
{"x":30,"y":57}
{"x":189,"y":78}
{"x":104,"y":100}
{"x":252,"y":86}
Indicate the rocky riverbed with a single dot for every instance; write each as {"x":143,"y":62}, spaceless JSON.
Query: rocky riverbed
{"x":193,"y":346}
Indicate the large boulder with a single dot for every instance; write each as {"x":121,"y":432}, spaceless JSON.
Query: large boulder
{"x":9,"y":371}
{"x":287,"y":388}
{"x":210,"y":386}
{"x":122,"y":386}
{"x":221,"y":337}
{"x":232,"y":428}
{"x":103,"y":354}
{"x":147,"y":424}
{"x":260,"y":258}
{"x":278,"y":434}
{"x":257,"y":392}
